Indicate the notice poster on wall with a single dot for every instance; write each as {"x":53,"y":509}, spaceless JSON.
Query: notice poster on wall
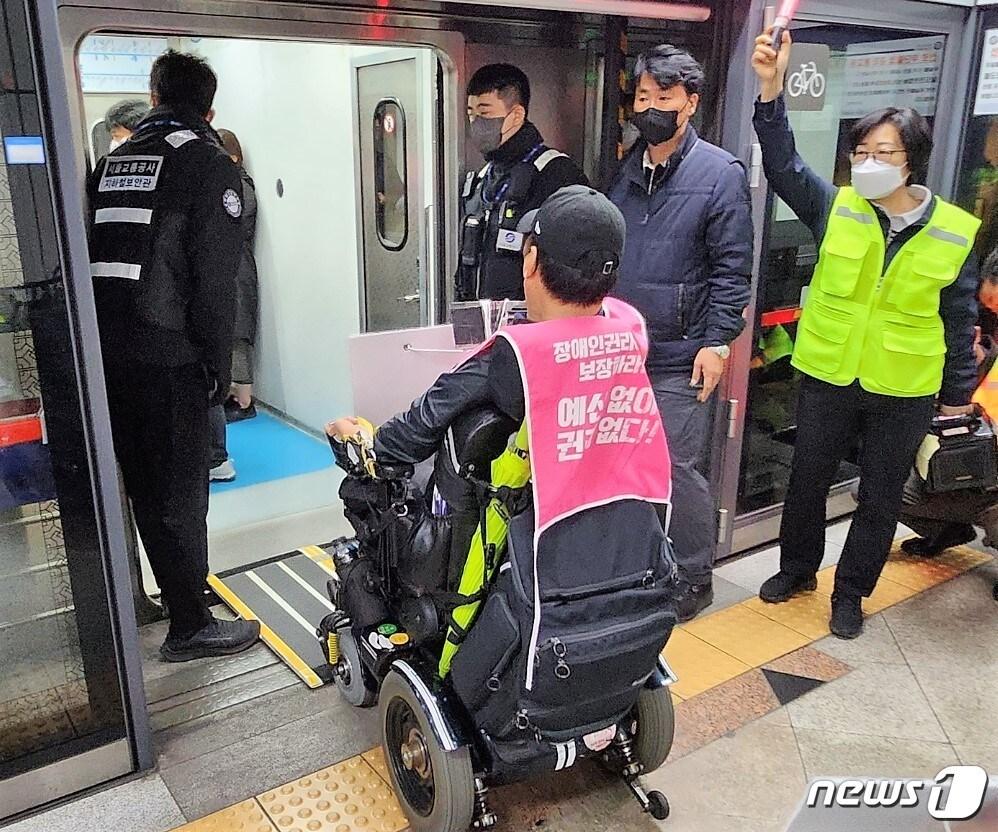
{"x":118,"y":64}
{"x":893,"y":73}
{"x":986,"y":102}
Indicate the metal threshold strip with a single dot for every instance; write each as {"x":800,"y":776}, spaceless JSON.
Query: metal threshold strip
{"x":288,"y":596}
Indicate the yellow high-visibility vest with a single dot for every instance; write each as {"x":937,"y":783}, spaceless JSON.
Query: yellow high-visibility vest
{"x":882,"y":328}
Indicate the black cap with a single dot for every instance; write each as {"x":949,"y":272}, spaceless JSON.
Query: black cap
{"x":578,"y":227}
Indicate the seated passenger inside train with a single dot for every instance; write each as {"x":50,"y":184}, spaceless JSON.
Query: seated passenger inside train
{"x":567,"y":276}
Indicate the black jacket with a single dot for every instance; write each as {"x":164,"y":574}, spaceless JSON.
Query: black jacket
{"x":165,"y":244}
{"x":490,"y":379}
{"x":247,"y":292}
{"x":687,"y":264}
{"x":510,"y":178}
{"x":811,"y":198}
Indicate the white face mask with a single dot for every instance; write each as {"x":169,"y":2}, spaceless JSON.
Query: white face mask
{"x":875,"y":180}
{"x":115,"y":144}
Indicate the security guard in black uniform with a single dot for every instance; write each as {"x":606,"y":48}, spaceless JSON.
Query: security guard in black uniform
{"x":165,"y":245}
{"x":520,"y":173}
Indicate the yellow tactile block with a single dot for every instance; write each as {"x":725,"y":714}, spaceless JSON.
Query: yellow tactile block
{"x":806,"y":614}
{"x":243,"y":817}
{"x":918,"y":573}
{"x":347,"y":797}
{"x":748,"y":636}
{"x":826,"y":581}
{"x":699,"y":666}
{"x":375,"y":758}
{"x":887,"y":594}
{"x":963,"y":558}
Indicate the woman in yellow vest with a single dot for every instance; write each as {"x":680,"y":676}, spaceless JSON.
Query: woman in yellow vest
{"x":886,"y":334}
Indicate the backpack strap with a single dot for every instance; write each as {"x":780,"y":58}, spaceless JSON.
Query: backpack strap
{"x":547,"y":157}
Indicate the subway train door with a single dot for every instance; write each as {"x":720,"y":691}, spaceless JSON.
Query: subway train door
{"x":394,"y":91}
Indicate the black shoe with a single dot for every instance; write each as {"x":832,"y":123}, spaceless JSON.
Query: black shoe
{"x":235,"y":413}
{"x":219,"y":638}
{"x":952,"y":534}
{"x":784,"y":586}
{"x":692,"y":599}
{"x":847,"y":616}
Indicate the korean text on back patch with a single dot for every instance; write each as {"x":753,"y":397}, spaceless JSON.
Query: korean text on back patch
{"x":131,"y":173}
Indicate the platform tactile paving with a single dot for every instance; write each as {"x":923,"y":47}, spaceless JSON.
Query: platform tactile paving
{"x":918,"y":573}
{"x":375,"y":758}
{"x":699,"y":665}
{"x":806,"y":614}
{"x":745,"y":634}
{"x":963,"y":558}
{"x":243,"y":817}
{"x":887,"y":594}
{"x":347,"y":797}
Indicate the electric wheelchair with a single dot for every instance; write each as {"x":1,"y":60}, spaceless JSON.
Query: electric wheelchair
{"x":492,"y":662}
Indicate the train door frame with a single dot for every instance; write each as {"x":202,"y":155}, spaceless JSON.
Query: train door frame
{"x":742,"y":533}
{"x":303,"y":23}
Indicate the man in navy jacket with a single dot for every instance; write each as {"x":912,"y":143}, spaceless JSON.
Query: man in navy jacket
{"x":687,"y":267}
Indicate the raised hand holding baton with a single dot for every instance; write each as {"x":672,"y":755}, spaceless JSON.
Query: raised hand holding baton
{"x":782,"y":21}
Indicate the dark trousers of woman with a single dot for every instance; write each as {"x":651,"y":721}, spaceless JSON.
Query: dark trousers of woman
{"x":830,"y":421}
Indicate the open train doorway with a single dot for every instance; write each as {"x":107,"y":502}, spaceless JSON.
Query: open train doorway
{"x":338,"y":141}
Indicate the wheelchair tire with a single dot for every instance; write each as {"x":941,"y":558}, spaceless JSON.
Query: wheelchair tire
{"x":435,"y":788}
{"x":352,"y":679}
{"x":656,"y":727}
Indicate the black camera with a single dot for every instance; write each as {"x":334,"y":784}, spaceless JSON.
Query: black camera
{"x":966,"y":456}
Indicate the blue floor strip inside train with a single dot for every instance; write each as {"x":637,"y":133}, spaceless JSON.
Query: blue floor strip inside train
{"x":264,"y":449}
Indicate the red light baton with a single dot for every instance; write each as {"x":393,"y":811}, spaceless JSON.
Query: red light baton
{"x":782,"y":22}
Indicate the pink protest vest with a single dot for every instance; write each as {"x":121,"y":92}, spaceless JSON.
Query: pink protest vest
{"x":596,"y":436}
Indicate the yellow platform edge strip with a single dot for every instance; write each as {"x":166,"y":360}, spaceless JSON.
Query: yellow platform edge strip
{"x":320,"y":556}
{"x":270,"y":638}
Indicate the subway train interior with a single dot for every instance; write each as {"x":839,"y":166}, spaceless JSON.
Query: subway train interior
{"x":352,"y":115}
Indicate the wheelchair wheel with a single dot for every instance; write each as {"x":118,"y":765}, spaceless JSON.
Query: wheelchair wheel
{"x":436,"y":788}
{"x":351,"y":677}
{"x":656,"y":727}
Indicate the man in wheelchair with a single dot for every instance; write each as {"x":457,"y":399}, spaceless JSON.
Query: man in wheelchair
{"x":540,"y":599}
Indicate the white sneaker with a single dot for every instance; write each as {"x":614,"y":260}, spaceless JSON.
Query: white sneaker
{"x":223,"y":472}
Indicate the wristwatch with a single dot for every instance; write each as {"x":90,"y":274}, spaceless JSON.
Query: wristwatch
{"x":722,"y":351}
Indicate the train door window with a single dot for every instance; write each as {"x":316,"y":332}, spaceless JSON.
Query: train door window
{"x":391,"y":205}
{"x":837,"y":75}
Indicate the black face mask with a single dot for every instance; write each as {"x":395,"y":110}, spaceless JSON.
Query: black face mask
{"x":657,"y":126}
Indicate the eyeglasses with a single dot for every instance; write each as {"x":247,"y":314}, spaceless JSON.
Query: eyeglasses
{"x":857,"y":157}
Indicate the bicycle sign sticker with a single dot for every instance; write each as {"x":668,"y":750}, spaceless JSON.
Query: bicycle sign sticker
{"x":807,"y":76}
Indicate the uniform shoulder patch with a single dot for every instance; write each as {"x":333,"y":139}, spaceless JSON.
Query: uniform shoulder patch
{"x":130,"y":173}
{"x":181,"y":137}
{"x":233,"y":203}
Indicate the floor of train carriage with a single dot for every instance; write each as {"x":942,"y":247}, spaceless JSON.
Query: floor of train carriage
{"x":766,"y":699}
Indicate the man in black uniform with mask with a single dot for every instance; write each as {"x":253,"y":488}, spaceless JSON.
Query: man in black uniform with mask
{"x":165,"y":244}
{"x":520,"y":173}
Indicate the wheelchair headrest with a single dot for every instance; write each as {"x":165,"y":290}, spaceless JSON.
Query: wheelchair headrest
{"x":476,"y":438}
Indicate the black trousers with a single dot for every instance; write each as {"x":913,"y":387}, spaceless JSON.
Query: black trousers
{"x":159,"y":420}
{"x":830,"y":420}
